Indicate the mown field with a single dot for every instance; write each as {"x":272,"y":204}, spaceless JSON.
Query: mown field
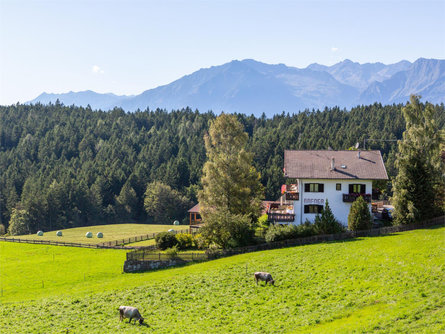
{"x":110,"y":232}
{"x":394,"y":283}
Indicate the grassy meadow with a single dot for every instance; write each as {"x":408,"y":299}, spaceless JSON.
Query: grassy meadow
{"x":394,"y":283}
{"x":110,"y":232}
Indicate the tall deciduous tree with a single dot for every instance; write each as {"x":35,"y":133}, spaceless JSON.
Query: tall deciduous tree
{"x":163,"y":203}
{"x":419,"y":183}
{"x":231,"y":185}
{"x":19,"y":223}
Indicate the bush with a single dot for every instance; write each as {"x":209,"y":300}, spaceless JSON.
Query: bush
{"x":172,"y":252}
{"x":2,"y":229}
{"x":280,"y":233}
{"x":263,"y":221}
{"x":359,"y":217}
{"x":326,"y":223}
{"x":228,"y":230}
{"x":200,"y":241}
{"x":185,"y":241}
{"x":166,"y":240}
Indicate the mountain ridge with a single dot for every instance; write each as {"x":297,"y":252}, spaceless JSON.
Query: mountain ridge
{"x":252,"y":87}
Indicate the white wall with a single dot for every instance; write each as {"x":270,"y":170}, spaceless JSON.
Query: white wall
{"x":339,"y":208}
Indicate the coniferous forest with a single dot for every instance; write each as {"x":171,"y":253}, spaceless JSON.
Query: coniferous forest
{"x":66,"y":166}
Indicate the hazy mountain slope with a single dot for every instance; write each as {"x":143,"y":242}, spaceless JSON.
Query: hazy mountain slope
{"x":95,"y":100}
{"x":252,"y":87}
{"x":425,"y":77}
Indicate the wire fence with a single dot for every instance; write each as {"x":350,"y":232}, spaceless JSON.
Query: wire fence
{"x":147,"y":255}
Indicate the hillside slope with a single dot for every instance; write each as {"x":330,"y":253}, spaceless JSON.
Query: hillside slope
{"x":384,"y":284}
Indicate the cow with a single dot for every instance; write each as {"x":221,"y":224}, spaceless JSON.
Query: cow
{"x":263,"y":276}
{"x":131,"y":313}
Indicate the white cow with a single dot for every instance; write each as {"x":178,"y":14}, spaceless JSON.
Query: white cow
{"x":263,"y":276}
{"x":131,"y":313}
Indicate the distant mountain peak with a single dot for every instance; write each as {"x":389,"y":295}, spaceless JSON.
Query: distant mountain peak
{"x":252,"y":87}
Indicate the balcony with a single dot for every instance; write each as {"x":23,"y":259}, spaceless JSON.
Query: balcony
{"x":281,"y":212}
{"x":291,"y":192}
{"x":349,"y":198}
{"x":281,"y":217}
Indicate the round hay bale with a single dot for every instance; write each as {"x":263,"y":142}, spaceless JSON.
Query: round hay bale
{"x":99,"y":235}
{"x":176,"y":222}
{"x":59,"y":233}
{"x":89,"y":235}
{"x":171,"y":230}
{"x":40,"y":233}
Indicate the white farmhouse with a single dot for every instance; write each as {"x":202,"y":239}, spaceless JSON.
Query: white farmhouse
{"x":338,"y":176}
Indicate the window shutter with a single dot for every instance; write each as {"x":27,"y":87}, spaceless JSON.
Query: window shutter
{"x":306,"y":209}
{"x":321,"y":188}
{"x":307,"y":187}
{"x":363,"y":189}
{"x":351,"y":188}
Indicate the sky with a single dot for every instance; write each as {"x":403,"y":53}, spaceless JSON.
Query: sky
{"x":126,"y":47}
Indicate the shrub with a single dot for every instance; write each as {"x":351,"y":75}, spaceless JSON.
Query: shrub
{"x":306,"y":229}
{"x":200,"y":241}
{"x":228,"y":230}
{"x":279,"y":233}
{"x":359,"y":217}
{"x":185,"y":241}
{"x":172,"y":252}
{"x":166,"y":240}
{"x":263,"y":221}
{"x":2,"y":229}
{"x":326,"y":223}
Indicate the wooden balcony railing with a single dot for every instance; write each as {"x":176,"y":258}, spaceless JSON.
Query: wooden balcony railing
{"x":349,"y":198}
{"x":292,"y":196}
{"x":281,"y":217}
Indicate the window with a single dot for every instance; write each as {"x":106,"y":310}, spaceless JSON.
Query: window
{"x":313,"y":208}
{"x":338,"y":186}
{"x":357,"y":188}
{"x":314,"y":187}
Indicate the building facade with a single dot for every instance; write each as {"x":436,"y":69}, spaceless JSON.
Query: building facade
{"x":337,"y":176}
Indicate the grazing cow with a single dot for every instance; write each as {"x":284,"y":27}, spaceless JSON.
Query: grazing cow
{"x":263,"y":276}
{"x":130,"y":312}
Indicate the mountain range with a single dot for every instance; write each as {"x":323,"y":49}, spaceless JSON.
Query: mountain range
{"x":253,"y":87}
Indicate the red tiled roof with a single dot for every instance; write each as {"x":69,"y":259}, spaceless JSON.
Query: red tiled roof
{"x":317,"y":165}
{"x":265,"y":205}
{"x":195,"y":209}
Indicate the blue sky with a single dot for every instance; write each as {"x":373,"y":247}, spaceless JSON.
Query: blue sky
{"x":126,"y":47}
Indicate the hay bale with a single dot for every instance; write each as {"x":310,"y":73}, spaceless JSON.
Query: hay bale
{"x":99,"y":235}
{"x":171,"y":230}
{"x":40,"y":233}
{"x":89,"y":235}
{"x":176,"y":222}
{"x":59,"y":233}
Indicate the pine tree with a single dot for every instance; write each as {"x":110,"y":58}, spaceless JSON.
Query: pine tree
{"x":419,"y":185}
{"x":326,"y":223}
{"x":359,"y":217}
{"x":232,"y":191}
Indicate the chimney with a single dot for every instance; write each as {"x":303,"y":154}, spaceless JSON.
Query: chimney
{"x":358,"y":154}
{"x":332,"y":163}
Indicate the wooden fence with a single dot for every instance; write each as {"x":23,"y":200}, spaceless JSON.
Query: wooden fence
{"x":142,"y":255}
{"x":63,"y":243}
{"x":138,"y":238}
{"x":114,"y":244}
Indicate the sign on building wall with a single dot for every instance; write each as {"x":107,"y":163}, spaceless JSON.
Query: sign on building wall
{"x":314,"y":201}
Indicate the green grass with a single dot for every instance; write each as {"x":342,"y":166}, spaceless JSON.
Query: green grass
{"x":111,"y":232}
{"x":392,"y":284}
